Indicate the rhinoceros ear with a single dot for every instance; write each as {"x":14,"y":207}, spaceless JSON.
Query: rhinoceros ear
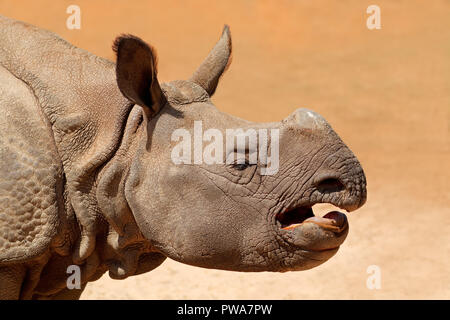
{"x":215,"y":64}
{"x":136,"y":73}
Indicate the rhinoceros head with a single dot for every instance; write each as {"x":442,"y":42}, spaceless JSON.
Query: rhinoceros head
{"x":203,"y":199}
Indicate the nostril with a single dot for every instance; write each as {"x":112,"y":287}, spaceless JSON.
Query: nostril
{"x":330,"y":185}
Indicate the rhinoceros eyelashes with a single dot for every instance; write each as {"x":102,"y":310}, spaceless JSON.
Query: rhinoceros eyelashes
{"x":240,"y":166}
{"x":209,"y":72}
{"x":136,"y":73}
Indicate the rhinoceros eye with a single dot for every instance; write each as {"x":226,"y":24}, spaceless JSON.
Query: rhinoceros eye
{"x":240,"y":166}
{"x":241,"y":160}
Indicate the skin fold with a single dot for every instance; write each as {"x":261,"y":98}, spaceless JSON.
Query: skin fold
{"x":87,"y":178}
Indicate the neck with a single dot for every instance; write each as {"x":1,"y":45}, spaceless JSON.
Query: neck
{"x":124,"y":248}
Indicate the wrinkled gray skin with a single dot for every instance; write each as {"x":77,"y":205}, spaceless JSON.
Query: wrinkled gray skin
{"x":86,"y":176}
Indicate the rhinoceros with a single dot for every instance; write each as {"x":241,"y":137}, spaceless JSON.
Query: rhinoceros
{"x":88,"y":179}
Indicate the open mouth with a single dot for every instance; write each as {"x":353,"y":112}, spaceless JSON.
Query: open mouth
{"x":334,"y":221}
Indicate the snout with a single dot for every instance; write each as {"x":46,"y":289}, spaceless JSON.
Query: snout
{"x":339,"y":182}
{"x":317,"y":238}
{"x":335,"y":177}
{"x":337,"y":174}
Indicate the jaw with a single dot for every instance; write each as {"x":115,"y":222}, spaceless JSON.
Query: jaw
{"x":311,"y":238}
{"x":302,"y":228}
{"x":288,"y":240}
{"x":278,"y":240}
{"x":303,"y":239}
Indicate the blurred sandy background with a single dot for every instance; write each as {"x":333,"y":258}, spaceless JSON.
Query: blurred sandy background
{"x":386,"y":92}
